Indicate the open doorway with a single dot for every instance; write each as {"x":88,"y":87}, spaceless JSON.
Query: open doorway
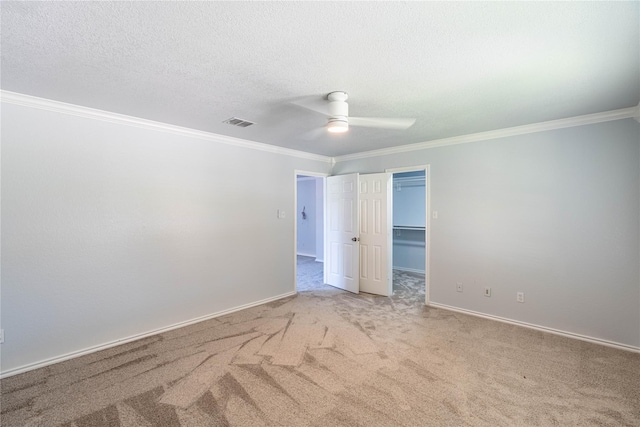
{"x":309,"y":230}
{"x":410,"y":265}
{"x":411,"y":232}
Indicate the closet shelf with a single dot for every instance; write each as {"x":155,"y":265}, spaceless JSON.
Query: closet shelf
{"x":408,"y":227}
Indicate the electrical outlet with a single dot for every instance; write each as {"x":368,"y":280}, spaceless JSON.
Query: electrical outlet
{"x":487,"y":292}
{"x":280,"y":214}
{"x":1,"y":336}
{"x":459,"y":286}
{"x":520,"y":297}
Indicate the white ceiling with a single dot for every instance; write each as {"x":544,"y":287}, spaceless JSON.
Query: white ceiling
{"x":459,"y":68}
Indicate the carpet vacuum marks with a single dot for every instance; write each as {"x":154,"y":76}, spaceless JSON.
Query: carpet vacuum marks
{"x":330,"y":358}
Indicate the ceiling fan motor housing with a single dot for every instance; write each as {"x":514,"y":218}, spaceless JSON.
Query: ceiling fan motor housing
{"x":338,"y":112}
{"x":338,"y":107}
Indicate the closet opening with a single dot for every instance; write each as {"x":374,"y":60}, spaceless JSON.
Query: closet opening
{"x":410,"y":240}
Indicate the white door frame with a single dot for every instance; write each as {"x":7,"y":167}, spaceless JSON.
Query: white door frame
{"x":297,"y":172}
{"x":427,"y":223}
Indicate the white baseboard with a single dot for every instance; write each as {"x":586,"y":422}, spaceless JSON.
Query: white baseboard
{"x":306,"y":254}
{"x":410,"y":270}
{"x":593,"y":340}
{"x":319,"y":260}
{"x":89,"y":350}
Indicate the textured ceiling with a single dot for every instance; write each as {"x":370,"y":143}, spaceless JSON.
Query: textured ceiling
{"x":458,"y":68}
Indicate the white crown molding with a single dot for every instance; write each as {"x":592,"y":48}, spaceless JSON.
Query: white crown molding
{"x":106,"y":116}
{"x":587,"y":119}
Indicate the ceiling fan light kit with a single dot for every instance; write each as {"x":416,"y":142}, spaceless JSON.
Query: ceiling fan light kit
{"x":337,"y":125}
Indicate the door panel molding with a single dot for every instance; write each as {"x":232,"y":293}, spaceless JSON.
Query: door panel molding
{"x":376,"y":212}
{"x":342,"y":235}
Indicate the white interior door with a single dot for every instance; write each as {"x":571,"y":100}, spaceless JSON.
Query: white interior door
{"x":376,"y":210}
{"x":342,"y":259}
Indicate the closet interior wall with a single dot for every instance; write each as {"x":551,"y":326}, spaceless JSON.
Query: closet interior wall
{"x":409,"y":210}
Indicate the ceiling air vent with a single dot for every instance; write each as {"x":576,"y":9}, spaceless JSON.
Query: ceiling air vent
{"x":238,"y":122}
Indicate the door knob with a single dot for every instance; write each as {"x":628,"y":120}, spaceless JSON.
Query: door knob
{"x":355,"y":239}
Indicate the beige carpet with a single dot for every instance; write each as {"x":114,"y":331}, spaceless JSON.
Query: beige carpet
{"x":330,"y":358}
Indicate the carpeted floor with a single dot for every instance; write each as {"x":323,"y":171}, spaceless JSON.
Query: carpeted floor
{"x":310,"y":276}
{"x":330,"y":358}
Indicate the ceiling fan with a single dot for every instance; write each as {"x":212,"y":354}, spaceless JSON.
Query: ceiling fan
{"x":337,"y":112}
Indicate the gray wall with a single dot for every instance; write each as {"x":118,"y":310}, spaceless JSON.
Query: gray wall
{"x":409,"y":200}
{"x":553,"y":214}
{"x":109,"y":231}
{"x":409,"y":250}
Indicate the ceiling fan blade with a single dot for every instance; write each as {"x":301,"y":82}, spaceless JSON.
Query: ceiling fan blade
{"x":380,"y":122}
{"x":317,"y":104}
{"x":313,"y":134}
